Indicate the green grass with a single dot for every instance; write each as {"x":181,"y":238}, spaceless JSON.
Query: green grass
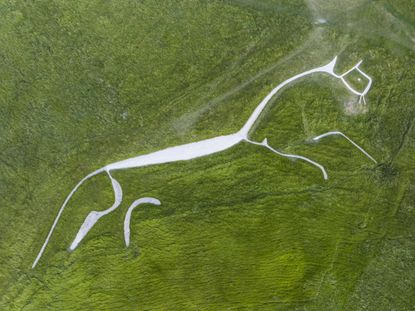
{"x":84,"y":84}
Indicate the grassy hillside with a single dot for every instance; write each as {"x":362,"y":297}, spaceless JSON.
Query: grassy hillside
{"x":87,"y":83}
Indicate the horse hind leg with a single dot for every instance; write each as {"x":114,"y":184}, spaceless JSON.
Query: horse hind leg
{"x":94,"y":216}
{"x":128,"y":216}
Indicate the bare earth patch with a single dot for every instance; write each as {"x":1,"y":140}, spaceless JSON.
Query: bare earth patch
{"x":352,"y":107}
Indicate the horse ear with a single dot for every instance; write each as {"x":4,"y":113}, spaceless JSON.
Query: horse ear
{"x":332,"y":64}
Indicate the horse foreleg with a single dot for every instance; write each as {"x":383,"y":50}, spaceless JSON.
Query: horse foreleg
{"x":265,"y":144}
{"x":317,"y":138}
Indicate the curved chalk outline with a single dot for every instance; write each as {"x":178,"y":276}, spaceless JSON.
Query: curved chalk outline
{"x":94,"y":216}
{"x":193,"y":150}
{"x":368,"y":86}
{"x":265,"y":144}
{"x":317,"y":138}
{"x":55,"y":222}
{"x":128,"y":215}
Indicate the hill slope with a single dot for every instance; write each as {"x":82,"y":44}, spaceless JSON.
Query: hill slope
{"x":84,"y":84}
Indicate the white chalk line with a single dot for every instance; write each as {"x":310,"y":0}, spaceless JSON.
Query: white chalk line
{"x":55,"y":222}
{"x":367,"y":88}
{"x":94,"y":216}
{"x":191,"y":151}
{"x":265,"y":144}
{"x":350,"y":140}
{"x":127,"y":218}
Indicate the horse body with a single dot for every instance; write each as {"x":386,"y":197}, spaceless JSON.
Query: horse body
{"x":179,"y":153}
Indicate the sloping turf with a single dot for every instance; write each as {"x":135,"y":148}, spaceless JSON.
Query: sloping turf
{"x":86,"y":83}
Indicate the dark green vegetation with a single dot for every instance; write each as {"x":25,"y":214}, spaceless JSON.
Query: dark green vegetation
{"x":86,"y":83}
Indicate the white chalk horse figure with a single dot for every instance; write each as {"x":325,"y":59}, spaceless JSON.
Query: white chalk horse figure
{"x":199,"y":149}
